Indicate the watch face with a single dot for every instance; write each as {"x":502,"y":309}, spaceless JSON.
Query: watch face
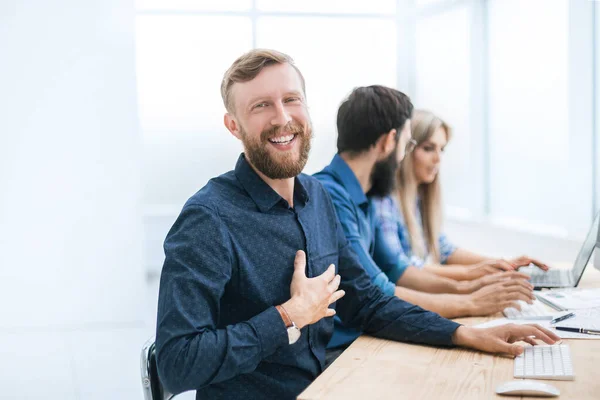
{"x":293,"y":334}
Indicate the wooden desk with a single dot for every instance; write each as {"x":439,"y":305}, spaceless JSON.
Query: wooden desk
{"x":374,"y":368}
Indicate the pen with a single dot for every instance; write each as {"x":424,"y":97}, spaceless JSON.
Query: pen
{"x":562,"y":318}
{"x":578,"y":330}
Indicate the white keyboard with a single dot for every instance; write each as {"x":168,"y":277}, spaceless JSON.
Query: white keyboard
{"x":545,"y":362}
{"x":537,"y":310}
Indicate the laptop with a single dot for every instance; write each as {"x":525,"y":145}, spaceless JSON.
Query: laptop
{"x":567,"y":278}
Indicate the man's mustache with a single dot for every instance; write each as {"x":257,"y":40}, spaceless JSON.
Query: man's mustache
{"x":291,"y":127}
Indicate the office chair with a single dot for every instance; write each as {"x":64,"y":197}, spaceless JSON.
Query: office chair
{"x":153,"y":389}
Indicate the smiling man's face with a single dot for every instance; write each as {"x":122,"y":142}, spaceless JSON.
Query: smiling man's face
{"x":272,"y":121}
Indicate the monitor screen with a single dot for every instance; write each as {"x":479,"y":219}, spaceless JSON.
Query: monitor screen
{"x":597,"y":253}
{"x":587,"y":249}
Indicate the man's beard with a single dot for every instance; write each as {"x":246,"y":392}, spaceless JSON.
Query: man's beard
{"x":383,"y":177}
{"x":284,"y":166}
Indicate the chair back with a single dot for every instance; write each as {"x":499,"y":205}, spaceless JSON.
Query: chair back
{"x":153,"y":389}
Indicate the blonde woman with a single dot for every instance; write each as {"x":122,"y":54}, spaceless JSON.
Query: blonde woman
{"x":412,"y":218}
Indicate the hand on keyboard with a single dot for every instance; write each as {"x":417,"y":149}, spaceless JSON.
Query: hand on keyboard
{"x":495,"y":298}
{"x":488,"y":267}
{"x":498,"y":277}
{"x":524,"y":261}
{"x":501,"y":339}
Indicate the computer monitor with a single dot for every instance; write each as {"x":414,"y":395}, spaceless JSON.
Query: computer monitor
{"x":591,"y":242}
{"x":597,"y":253}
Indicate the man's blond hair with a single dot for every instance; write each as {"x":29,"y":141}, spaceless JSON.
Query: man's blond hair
{"x":248,"y":66}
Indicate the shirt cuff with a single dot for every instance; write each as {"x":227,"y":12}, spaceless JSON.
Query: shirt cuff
{"x":442,"y":332}
{"x":395,"y":273}
{"x":383,"y":282}
{"x":271,"y":331}
{"x":446,"y":254}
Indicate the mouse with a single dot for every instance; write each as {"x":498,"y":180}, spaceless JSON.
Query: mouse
{"x":527,"y":388}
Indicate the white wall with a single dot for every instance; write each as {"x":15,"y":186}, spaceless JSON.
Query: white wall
{"x":184,"y":48}
{"x":71,"y":278}
{"x":498,"y":241}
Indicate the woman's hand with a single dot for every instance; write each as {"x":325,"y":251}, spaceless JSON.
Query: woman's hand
{"x":488,"y":267}
{"x":523,"y":261}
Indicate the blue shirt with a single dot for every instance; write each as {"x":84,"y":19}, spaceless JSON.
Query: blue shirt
{"x":229,"y":261}
{"x":358,"y":221}
{"x":394,"y":232}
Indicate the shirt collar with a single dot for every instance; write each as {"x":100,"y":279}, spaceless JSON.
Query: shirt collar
{"x":260,"y":192}
{"x":346,"y":176}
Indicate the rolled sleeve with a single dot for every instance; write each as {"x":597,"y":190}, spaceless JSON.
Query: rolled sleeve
{"x":446,"y":248}
{"x":396,"y":272}
{"x":383,"y":282}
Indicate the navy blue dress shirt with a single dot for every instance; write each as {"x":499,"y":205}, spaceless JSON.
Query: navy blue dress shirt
{"x":229,"y":262}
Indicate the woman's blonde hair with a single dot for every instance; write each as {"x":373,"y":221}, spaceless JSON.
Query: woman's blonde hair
{"x":423,"y":125}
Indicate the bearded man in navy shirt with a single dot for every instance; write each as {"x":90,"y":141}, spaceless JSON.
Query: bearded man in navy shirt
{"x":257,"y":262}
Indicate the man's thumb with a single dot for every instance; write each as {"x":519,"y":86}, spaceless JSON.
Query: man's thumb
{"x":300,"y":263}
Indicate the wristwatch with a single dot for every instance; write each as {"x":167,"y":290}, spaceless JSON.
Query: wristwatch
{"x":292,"y":330}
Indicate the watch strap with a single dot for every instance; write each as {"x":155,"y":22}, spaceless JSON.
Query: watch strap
{"x":285,"y":316}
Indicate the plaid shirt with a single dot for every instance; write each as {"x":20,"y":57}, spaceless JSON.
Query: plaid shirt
{"x":395,"y":235}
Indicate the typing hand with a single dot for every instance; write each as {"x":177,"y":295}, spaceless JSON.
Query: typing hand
{"x":472,"y":286}
{"x":523,"y":261}
{"x":501,"y":339}
{"x":311,"y":297}
{"x":498,"y":296}
{"x":488,"y":267}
